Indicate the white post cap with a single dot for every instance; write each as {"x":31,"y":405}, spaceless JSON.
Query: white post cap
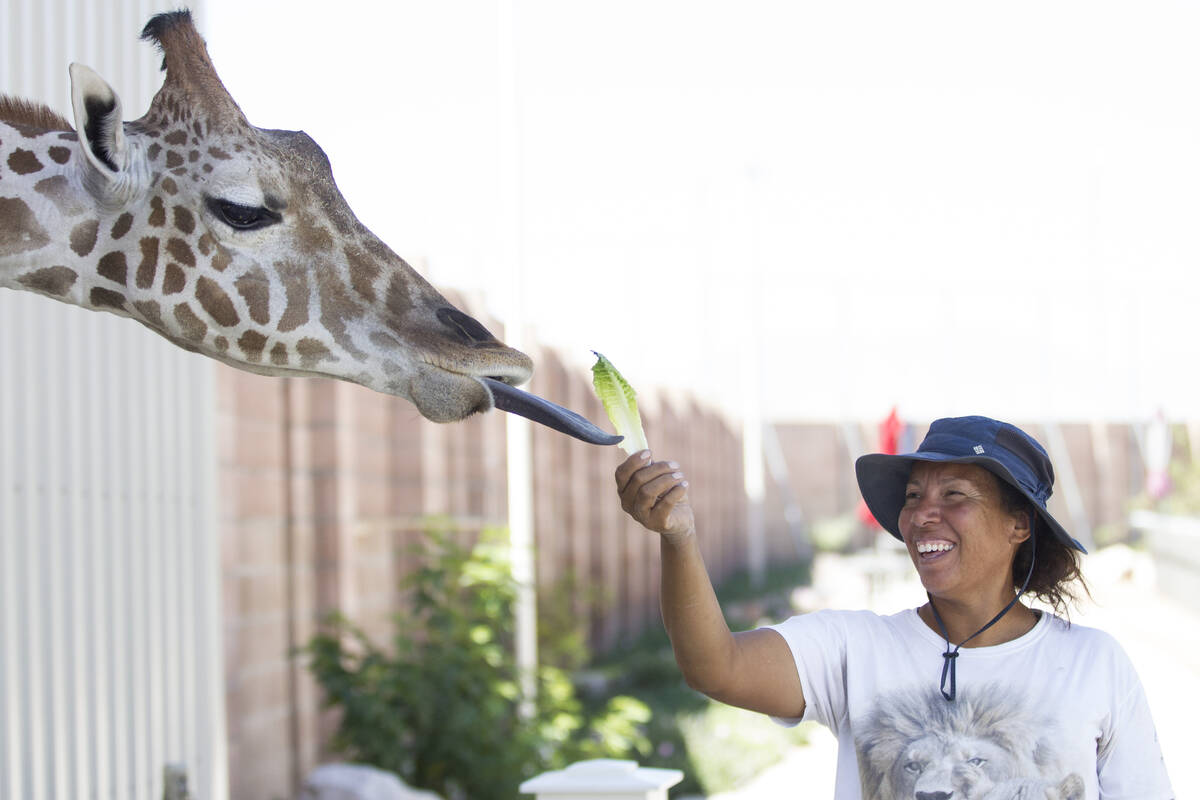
{"x":603,"y":779}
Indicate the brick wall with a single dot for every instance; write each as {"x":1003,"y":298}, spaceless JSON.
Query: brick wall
{"x":325,"y":487}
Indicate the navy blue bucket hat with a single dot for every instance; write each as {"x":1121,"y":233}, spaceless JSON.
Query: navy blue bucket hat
{"x":1005,"y":450}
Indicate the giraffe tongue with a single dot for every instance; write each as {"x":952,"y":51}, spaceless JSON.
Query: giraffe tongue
{"x":514,"y":401}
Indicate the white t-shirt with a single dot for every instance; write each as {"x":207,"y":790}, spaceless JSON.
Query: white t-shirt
{"x":1057,"y":714}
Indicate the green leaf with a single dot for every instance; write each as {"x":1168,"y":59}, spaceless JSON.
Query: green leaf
{"x":620,"y":403}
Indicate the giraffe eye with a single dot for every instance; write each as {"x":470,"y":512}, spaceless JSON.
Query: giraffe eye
{"x":243,"y":218}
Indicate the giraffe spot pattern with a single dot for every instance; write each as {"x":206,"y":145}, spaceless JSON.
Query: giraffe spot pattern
{"x":174,"y":279}
{"x":363,"y":272}
{"x":382,"y":253}
{"x":28,"y":131}
{"x":114,"y":267}
{"x":83,"y":236}
{"x":174,"y":159}
{"x":221,"y":343}
{"x":314,"y":237}
{"x":205,"y":244}
{"x":59,"y":155}
{"x":221,"y":259}
{"x":399,"y":303}
{"x":219,"y":154}
{"x":181,"y":251}
{"x":312,"y":352}
{"x":58,"y":191}
{"x":19,"y":229}
{"x":185,"y":221}
{"x":122,"y":226}
{"x":252,"y":344}
{"x":150,"y":311}
{"x":170,"y":186}
{"x":153,"y":150}
{"x":385,"y":340}
{"x":55,"y":281}
{"x":337,"y":306}
{"x":218,"y":304}
{"x":295,"y":287}
{"x":255,"y":289}
{"x":148,"y":266}
{"x":193,"y":156}
{"x":106,"y":298}
{"x":190,"y":325}
{"x":279,"y":354}
{"x":24,"y":162}
{"x":158,"y":212}
{"x":176,"y":138}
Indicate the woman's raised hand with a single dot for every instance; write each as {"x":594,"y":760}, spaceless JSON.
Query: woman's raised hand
{"x":655,"y":494}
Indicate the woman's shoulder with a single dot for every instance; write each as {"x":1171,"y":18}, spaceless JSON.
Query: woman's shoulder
{"x":1065,"y":627}
{"x":849,"y":621}
{"x":1082,"y":639}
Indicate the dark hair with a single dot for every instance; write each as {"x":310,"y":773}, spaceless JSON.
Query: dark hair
{"x":1057,"y":566}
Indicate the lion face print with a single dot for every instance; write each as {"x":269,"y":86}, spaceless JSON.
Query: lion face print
{"x":986,"y":745}
{"x":934,"y":765}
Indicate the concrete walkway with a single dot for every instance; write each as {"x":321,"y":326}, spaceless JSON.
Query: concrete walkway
{"x":1160,"y":636}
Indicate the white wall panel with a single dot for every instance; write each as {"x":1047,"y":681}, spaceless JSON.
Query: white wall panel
{"x":110,"y":659}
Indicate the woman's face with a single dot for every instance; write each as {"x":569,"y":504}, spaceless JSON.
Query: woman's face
{"x":958,"y":533}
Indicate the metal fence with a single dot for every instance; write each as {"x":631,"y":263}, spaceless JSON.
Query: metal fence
{"x":110,"y":647}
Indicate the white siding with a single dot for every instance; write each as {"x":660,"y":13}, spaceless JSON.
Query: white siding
{"x":110,"y":657}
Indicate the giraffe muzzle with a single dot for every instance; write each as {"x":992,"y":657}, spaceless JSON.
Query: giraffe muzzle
{"x":515,"y":401}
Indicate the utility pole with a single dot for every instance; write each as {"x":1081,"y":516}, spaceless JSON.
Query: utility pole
{"x":518,"y":430}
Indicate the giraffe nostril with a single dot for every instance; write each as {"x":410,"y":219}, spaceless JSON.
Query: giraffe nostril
{"x":467,"y":326}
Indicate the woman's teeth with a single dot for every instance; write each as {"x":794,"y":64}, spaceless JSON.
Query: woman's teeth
{"x":934,"y":547}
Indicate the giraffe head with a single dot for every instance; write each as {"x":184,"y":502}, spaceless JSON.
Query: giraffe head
{"x":234,"y":241}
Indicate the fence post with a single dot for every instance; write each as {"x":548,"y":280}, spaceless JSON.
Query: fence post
{"x":603,"y":779}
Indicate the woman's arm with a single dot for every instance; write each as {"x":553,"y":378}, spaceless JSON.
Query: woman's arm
{"x":753,"y":670}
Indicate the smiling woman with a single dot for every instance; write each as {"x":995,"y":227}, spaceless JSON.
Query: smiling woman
{"x":1046,"y":708}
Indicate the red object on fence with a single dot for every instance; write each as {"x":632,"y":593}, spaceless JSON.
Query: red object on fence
{"x":889,"y":443}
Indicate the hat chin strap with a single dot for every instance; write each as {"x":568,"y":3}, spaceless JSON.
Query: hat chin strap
{"x":950,"y":656}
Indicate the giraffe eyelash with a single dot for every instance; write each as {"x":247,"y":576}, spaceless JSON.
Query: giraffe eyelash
{"x":242,"y":217}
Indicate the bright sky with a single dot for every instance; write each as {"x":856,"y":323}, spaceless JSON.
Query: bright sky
{"x":950,"y":207}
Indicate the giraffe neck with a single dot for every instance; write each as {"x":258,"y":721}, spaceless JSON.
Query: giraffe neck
{"x":54,"y":239}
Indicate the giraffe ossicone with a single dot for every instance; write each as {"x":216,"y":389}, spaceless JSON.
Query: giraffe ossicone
{"x":234,"y":242}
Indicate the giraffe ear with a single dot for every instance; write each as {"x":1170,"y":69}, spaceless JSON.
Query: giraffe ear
{"x":98,"y":121}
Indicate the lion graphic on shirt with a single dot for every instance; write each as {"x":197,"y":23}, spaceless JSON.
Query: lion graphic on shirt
{"x":1069,"y":788}
{"x":985,"y":745}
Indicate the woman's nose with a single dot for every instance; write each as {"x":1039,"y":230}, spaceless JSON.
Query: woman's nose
{"x":923,"y":511}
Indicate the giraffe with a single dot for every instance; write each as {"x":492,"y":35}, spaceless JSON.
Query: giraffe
{"x":234,"y":242}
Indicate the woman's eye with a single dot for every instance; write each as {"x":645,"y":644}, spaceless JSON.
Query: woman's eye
{"x":244,"y":218}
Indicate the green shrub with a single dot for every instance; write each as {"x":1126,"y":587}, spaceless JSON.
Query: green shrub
{"x":443,"y":708}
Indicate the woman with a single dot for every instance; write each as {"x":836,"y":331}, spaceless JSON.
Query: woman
{"x":972,"y":695}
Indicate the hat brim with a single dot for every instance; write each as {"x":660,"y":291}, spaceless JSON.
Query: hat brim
{"x":882,"y":479}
